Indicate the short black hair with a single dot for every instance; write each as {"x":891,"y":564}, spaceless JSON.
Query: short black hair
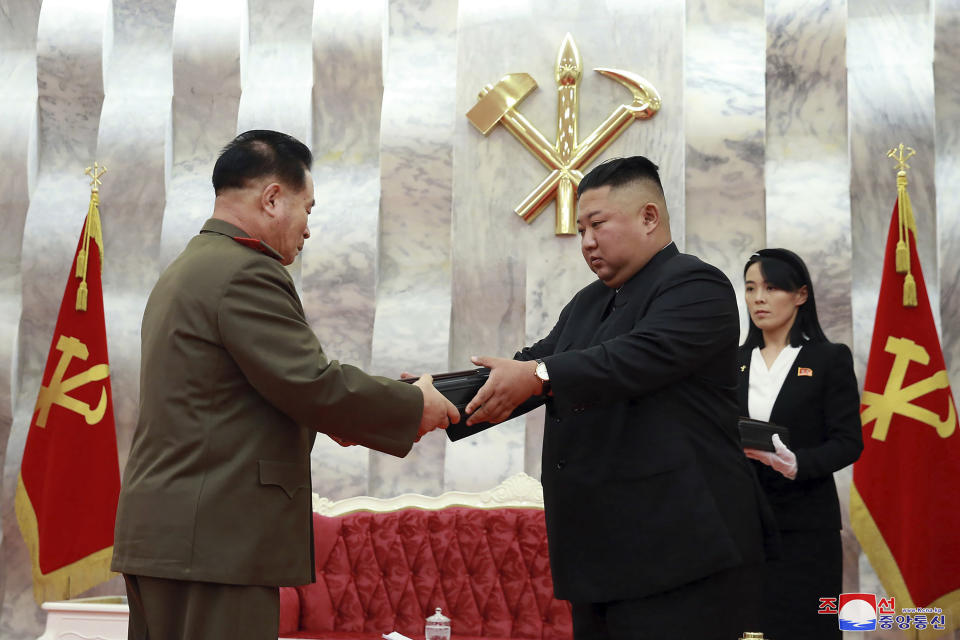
{"x":259,"y":153}
{"x":786,"y":270}
{"x":617,"y":172}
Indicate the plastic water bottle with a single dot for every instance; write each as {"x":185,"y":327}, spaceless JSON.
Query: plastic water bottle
{"x":437,"y":627}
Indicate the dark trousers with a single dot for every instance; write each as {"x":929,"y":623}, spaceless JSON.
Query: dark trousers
{"x":719,"y":607}
{"x":162,"y":609}
{"x":810,"y":567}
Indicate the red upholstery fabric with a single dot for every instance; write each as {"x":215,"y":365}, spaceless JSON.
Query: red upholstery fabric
{"x":379,"y":572}
{"x":289,"y":611}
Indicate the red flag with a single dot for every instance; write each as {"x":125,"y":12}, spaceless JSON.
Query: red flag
{"x":69,"y":477}
{"x":904,"y":507}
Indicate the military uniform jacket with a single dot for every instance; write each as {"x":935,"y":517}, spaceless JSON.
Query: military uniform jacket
{"x":233,"y":388}
{"x":645,"y":485}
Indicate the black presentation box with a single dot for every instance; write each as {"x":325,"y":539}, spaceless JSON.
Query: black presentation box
{"x":757,"y":434}
{"x":459,"y":387}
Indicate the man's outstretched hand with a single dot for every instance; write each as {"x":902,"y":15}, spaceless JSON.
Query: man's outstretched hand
{"x":510,"y":383}
{"x":438,"y":412}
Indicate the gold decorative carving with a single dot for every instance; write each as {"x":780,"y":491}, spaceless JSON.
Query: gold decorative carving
{"x":566,"y":157}
{"x":519,"y":490}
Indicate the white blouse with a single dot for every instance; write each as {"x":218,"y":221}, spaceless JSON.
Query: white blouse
{"x":765,"y":383}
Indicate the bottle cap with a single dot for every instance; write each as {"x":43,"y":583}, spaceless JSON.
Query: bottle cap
{"x":438,"y":618}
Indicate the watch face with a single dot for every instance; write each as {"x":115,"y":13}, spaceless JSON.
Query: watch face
{"x":542,"y":371}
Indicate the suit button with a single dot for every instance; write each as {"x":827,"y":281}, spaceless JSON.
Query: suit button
{"x":556,"y":419}
{"x":561,"y":464}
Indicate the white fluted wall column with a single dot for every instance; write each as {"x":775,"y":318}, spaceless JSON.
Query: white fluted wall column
{"x":776,"y":118}
{"x":946,"y":68}
{"x":890,"y":100}
{"x":210,"y":40}
{"x":412,"y":328}
{"x":73,"y":44}
{"x":339,"y":267}
{"x":724,"y":136}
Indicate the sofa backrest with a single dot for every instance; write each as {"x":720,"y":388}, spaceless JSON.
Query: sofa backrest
{"x":485,"y":564}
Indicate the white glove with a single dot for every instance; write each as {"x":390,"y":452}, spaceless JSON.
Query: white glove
{"x":782,"y":459}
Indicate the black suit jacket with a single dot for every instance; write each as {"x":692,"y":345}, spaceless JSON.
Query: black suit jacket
{"x":822,"y":411}
{"x":645,"y":485}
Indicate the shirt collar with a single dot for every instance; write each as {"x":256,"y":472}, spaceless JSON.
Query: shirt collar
{"x":224,"y":228}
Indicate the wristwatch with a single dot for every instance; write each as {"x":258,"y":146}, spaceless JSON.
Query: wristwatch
{"x":543,"y":377}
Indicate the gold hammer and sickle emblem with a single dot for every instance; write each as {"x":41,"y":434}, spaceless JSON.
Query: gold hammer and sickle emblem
{"x":567,"y":156}
{"x":898,"y":399}
{"x":56,"y":393}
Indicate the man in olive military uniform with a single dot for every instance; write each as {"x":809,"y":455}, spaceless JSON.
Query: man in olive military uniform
{"x":215,"y":509}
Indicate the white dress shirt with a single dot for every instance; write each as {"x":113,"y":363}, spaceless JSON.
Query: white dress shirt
{"x":765,"y":383}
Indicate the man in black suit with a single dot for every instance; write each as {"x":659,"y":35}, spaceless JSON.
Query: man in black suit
{"x":653,"y":512}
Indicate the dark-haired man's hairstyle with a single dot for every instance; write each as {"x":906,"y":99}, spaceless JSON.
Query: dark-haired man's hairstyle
{"x":259,"y":153}
{"x":786,"y":270}
{"x":617,"y":172}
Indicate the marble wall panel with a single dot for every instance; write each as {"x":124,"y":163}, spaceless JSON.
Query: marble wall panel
{"x":512,"y":279}
{"x":210,"y":41}
{"x":880,"y":119}
{"x":72,"y":44}
{"x":889,"y":44}
{"x":339,"y":271}
{"x":946,"y":71}
{"x":18,"y":173}
{"x":785,"y":110}
{"x":278,"y":80}
{"x":724,"y":132}
{"x":807,"y":193}
{"x":18,"y":158}
{"x":946,"y":68}
{"x":134,"y":135}
{"x":412,"y":327}
{"x":339,"y":266}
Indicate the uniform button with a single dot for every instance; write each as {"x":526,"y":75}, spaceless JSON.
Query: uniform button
{"x":561,"y":464}
{"x":556,"y":419}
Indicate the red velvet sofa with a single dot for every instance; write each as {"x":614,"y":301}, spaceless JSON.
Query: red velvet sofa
{"x":385,"y":565}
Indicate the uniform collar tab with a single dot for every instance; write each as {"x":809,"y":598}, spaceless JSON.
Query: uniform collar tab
{"x":224,"y":228}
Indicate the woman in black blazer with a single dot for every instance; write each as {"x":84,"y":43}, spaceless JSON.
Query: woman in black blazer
{"x":792,"y":376}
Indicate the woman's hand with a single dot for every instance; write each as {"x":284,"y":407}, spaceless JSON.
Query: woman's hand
{"x":782,"y":459}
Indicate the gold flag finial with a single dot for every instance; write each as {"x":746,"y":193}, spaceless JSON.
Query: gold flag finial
{"x":897,"y":154}
{"x":906,"y":223}
{"x":91,"y":231}
{"x":95,"y":172}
